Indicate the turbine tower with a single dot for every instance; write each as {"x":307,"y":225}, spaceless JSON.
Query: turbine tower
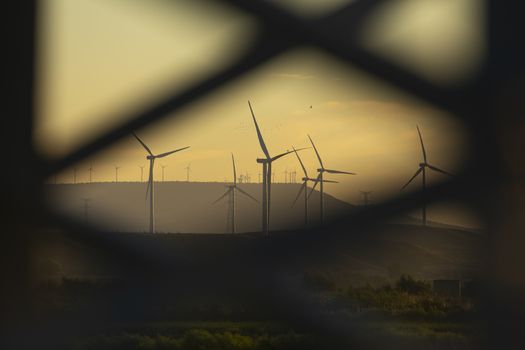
{"x":74,"y":175}
{"x":365,"y":196}
{"x":141,"y":173}
{"x":304,"y":188}
{"x":188,"y":170}
{"x":163,"y":167}
{"x":90,"y":169}
{"x":322,"y":170}
{"x":232,"y":189}
{"x":422,"y":169}
{"x":266,"y":174}
{"x":116,"y":173}
{"x":150,"y":187}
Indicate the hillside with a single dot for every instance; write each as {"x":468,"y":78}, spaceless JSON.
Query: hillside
{"x":184,"y":207}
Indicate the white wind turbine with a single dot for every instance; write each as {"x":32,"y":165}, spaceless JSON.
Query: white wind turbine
{"x":232,"y":189}
{"x":322,"y":170}
{"x":150,"y":187}
{"x":422,"y":169}
{"x":304,"y":187}
{"x":266,"y":174}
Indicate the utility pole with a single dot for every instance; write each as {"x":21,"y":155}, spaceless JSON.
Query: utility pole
{"x":116,"y":173}
{"x":86,"y":209}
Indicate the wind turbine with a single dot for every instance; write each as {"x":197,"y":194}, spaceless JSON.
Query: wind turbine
{"x":322,"y":170}
{"x":116,"y":173}
{"x":74,"y":175}
{"x":267,"y":174}
{"x":304,"y":188}
{"x":141,"y":173}
{"x":163,"y":166}
{"x":188,"y":170}
{"x":231,"y":197}
{"x":365,"y":196}
{"x":150,"y":187}
{"x":90,"y":169}
{"x":422,"y":169}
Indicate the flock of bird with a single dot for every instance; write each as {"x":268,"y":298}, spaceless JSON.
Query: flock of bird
{"x":266,"y":163}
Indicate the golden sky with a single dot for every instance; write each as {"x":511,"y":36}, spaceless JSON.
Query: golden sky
{"x":102,"y":57}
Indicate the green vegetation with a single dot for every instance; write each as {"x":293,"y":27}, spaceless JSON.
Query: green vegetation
{"x":411,"y":298}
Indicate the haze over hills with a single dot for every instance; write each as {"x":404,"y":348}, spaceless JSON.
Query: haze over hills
{"x":439,"y":251}
{"x":185,"y":207}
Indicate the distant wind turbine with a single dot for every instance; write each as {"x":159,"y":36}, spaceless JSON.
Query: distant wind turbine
{"x":150,"y":187}
{"x":266,"y":174}
{"x":74,"y":175}
{"x":141,"y":173}
{"x":304,"y":187}
{"x":90,"y":169}
{"x":163,"y":167}
{"x":116,"y":173}
{"x":322,"y":170}
{"x":188,"y":170}
{"x":232,"y":189}
{"x":422,"y":169}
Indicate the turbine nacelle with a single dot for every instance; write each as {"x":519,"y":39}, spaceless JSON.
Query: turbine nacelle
{"x":150,"y":157}
{"x":262,"y":160}
{"x":421,"y":165}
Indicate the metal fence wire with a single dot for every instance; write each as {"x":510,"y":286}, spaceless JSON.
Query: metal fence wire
{"x":490,"y":104}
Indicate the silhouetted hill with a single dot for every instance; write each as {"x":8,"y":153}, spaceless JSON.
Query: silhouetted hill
{"x":185,"y":207}
{"x":375,"y":256}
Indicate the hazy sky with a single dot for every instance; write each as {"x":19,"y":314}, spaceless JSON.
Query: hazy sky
{"x":103,"y":57}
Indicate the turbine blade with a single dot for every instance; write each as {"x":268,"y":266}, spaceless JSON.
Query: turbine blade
{"x":315,"y":184}
{"x":234,"y":172}
{"x":221,"y":197}
{"x":315,"y":149}
{"x":300,"y":161}
{"x":303,"y":186}
{"x":259,"y":135}
{"x":331,"y":181}
{"x":422,"y":145}
{"x":142,"y":143}
{"x":439,"y":170}
{"x":338,"y":172}
{"x":285,"y":153}
{"x":412,"y":178}
{"x":168,"y":153}
{"x":246,"y":194}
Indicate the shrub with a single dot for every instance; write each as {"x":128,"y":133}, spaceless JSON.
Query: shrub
{"x":411,"y":286}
